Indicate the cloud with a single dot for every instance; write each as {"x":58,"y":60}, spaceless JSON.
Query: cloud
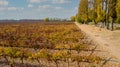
{"x":30,"y":5}
{"x":12,"y":8}
{"x":36,"y":1}
{"x":2,"y":8}
{"x":3,"y":3}
{"x":49,"y":7}
{"x":52,"y":1}
{"x":36,"y":9}
{"x":59,"y":8}
{"x":45,"y":7}
{"x":60,"y":1}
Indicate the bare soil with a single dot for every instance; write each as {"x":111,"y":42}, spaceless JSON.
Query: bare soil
{"x":105,"y":40}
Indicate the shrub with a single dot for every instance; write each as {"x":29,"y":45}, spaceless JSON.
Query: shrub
{"x":79,"y":20}
{"x":73,"y":18}
{"x":46,"y":19}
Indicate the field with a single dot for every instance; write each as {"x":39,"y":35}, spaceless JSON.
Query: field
{"x":46,"y":45}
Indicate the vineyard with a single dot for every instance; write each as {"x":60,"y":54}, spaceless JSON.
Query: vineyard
{"x":46,"y":45}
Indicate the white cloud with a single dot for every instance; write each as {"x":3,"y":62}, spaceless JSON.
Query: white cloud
{"x":40,"y":9}
{"x":3,"y":3}
{"x":12,"y":8}
{"x":46,"y":7}
{"x":49,"y":9}
{"x":2,"y":8}
{"x":30,"y":5}
{"x":61,"y":1}
{"x":52,"y":1}
{"x":58,"y":8}
{"x":21,"y":8}
{"x":36,"y":1}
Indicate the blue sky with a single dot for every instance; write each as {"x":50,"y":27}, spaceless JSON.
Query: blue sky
{"x":37,"y":9}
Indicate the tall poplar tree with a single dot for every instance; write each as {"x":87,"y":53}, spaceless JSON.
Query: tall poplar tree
{"x":112,"y":12}
{"x":103,"y":11}
{"x":83,"y":10}
{"x":118,"y":11}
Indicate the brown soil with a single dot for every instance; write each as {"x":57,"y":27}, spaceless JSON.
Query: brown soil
{"x":107,"y":41}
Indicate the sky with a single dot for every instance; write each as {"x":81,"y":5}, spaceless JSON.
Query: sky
{"x":37,"y":9}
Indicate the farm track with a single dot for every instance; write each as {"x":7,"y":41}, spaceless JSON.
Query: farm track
{"x":107,"y":40}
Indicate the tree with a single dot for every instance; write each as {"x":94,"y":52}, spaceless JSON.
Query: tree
{"x":92,"y":11}
{"x":73,"y":18}
{"x":78,"y":18}
{"x":100,"y":11}
{"x":118,"y":11}
{"x":112,"y":12}
{"x":46,"y":19}
{"x":83,"y":10}
{"x":103,"y":11}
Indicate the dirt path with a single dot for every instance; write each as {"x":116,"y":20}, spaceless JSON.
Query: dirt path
{"x":108,"y":40}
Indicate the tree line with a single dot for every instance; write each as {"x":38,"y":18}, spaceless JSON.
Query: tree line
{"x":47,"y":19}
{"x":103,"y":12}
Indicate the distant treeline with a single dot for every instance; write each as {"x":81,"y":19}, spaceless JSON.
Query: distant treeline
{"x":29,"y":20}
